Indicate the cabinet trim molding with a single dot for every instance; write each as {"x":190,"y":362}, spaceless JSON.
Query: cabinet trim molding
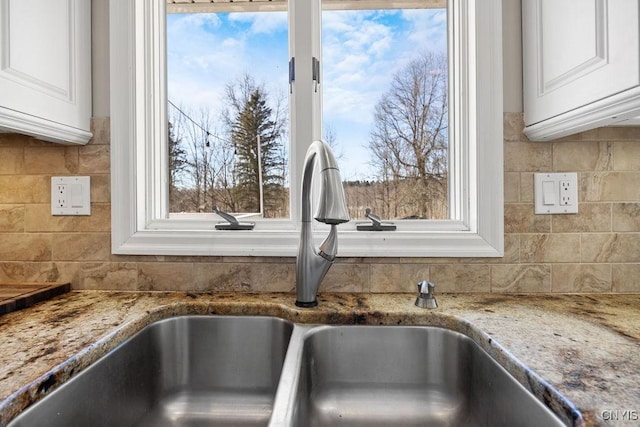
{"x":605,"y":112}
{"x":15,"y":121}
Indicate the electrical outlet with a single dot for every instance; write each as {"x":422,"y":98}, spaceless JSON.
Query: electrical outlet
{"x":70,"y":195}
{"x":556,"y":193}
{"x":60,"y":199}
{"x":565,"y":193}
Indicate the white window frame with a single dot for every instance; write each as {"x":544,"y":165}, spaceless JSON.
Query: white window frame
{"x":141,"y":225}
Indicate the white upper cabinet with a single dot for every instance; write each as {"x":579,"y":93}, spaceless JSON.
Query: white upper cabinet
{"x":45,"y":69}
{"x":581,"y":65}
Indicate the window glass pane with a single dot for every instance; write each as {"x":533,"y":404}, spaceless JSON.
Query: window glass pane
{"x":227,"y":87}
{"x":385,"y":109}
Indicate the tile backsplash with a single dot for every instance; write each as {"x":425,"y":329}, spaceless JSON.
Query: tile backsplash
{"x":597,"y":250}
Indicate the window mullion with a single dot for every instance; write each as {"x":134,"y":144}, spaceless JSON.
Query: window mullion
{"x":305,"y":98}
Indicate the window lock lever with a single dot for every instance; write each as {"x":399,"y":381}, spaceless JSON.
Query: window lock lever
{"x":232,"y":222}
{"x":376,"y":223}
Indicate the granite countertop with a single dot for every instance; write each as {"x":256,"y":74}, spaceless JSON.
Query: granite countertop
{"x":586,"y":347}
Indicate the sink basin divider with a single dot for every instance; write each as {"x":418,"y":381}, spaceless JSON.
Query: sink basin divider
{"x":284,"y":404}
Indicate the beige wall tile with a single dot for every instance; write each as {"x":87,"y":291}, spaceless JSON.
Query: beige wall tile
{"x":165,"y":276}
{"x":12,"y":272}
{"x":512,"y":187}
{"x":52,"y":159}
{"x":513,"y":125}
{"x":610,"y":186}
{"x":527,"y":156}
{"x":540,"y":248}
{"x":106,"y":275}
{"x":521,"y":218}
{"x":12,"y":160}
{"x":101,"y":129}
{"x":607,"y":247}
{"x":521,"y":278}
{"x":390,"y":277}
{"x":81,"y":246}
{"x":626,"y":156}
{"x":94,"y":159}
{"x":461,"y":278}
{"x":222,"y":277}
{"x":526,"y":187}
{"x":53,"y":272}
{"x":581,"y":278}
{"x":626,"y":278}
{"x":25,"y":247}
{"x":582,"y":156}
{"x":244,"y":277}
{"x":591,"y":217}
{"x":38,"y":218}
{"x":14,"y":140}
{"x":101,"y":189}
{"x":346,"y":278}
{"x":273,"y":277}
{"x":626,"y":216}
{"x":11,"y":218}
{"x":511,"y":250}
{"x":25,"y":189}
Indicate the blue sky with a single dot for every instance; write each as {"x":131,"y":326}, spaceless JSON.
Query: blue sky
{"x":361,"y":52}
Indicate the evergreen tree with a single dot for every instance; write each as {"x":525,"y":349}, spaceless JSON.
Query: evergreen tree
{"x":254,"y":127}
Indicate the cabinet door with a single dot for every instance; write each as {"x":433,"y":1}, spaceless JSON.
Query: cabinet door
{"x":576,"y":52}
{"x":45,"y":68}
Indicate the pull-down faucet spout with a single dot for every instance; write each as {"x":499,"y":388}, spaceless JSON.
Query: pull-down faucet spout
{"x":312,"y":266}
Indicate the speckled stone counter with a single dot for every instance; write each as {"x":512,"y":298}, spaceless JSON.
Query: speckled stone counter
{"x":586,"y":347}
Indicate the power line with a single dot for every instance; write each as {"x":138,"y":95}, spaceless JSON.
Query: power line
{"x":209,"y":134}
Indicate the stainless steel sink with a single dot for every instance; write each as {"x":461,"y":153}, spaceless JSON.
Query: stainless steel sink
{"x":405,"y":376}
{"x":183,"y":371}
{"x":245,"y":371}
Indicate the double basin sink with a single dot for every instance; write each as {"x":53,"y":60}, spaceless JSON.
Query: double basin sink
{"x":259,"y":371}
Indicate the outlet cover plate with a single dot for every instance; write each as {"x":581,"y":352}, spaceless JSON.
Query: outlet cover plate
{"x":556,"y":193}
{"x":70,"y":195}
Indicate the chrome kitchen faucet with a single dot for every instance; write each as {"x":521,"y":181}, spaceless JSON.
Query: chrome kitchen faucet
{"x":312,"y":266}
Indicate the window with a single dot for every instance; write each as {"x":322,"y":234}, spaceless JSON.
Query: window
{"x":227,"y":84}
{"x":141,"y":223}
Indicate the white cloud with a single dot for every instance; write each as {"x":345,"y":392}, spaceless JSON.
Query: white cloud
{"x":188,"y":22}
{"x":262,"y":22}
{"x":429,"y":28}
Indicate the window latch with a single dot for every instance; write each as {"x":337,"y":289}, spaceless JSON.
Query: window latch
{"x":315,"y":72}
{"x":232,"y":222}
{"x":292,"y":73}
{"x":376,"y":224}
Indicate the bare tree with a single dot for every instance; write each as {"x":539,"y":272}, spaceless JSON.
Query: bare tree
{"x":409,"y":139}
{"x":177,"y":160}
{"x":207,"y":160}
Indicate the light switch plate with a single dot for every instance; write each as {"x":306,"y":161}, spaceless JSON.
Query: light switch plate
{"x":70,"y":195}
{"x":556,"y":193}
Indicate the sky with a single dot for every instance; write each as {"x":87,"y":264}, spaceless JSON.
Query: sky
{"x":362,"y":50}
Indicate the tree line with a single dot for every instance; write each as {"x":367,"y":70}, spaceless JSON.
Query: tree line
{"x":224,"y":166}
